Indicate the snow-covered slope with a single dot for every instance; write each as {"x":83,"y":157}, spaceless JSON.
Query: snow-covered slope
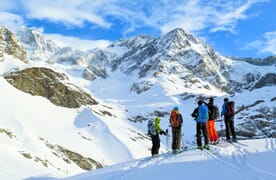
{"x":249,"y":159}
{"x":38,"y":137}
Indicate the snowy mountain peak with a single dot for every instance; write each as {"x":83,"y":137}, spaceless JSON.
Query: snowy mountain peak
{"x":177,"y":39}
{"x":133,"y":42}
{"x":38,"y":47}
{"x":10,"y":45}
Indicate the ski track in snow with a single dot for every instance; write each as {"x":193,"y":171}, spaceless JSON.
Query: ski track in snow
{"x":262,"y":174}
{"x":223,"y":160}
{"x":240,"y":159}
{"x":146,"y":162}
{"x":270,"y":144}
{"x":239,"y":162}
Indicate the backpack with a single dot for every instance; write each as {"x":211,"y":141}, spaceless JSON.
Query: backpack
{"x":230,"y":108}
{"x":214,"y":112}
{"x":195,"y":113}
{"x":175,"y":119}
{"x":151,"y":127}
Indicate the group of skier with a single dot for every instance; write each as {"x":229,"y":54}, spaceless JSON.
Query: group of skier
{"x":205,"y":116}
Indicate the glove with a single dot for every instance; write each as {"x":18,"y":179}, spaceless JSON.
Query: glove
{"x":163,"y":132}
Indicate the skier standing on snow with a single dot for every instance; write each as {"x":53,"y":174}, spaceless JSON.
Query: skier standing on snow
{"x":201,"y":121}
{"x":154,"y":130}
{"x":228,"y":113}
{"x":176,"y":122}
{"x":213,"y":114}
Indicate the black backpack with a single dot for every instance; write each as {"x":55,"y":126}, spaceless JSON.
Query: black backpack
{"x":214,"y":112}
{"x":230,"y":108}
{"x":195,"y":113}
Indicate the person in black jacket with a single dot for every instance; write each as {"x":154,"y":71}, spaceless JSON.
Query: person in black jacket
{"x":213,"y":113}
{"x":228,"y":112}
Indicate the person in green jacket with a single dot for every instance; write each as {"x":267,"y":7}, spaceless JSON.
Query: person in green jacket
{"x":154,"y":129}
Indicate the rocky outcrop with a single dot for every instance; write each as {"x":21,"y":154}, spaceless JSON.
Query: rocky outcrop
{"x":140,"y":87}
{"x":270,"y":60}
{"x":96,"y":66}
{"x":85,"y":163}
{"x":133,"y":53}
{"x":11,"y":46}
{"x":50,"y":84}
{"x":267,"y":80}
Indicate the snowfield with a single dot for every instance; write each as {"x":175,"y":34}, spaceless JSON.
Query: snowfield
{"x":247,"y":159}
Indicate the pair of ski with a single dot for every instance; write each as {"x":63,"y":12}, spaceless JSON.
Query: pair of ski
{"x":184,"y":148}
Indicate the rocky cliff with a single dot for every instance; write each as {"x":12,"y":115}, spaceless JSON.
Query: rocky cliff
{"x":50,"y":84}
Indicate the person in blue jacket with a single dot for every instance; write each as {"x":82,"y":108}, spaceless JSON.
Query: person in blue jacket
{"x":201,"y":125}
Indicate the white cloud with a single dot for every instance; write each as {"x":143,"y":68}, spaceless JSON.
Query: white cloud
{"x":232,"y":12}
{"x":77,"y":43}
{"x":188,"y":15}
{"x":74,"y":12}
{"x":215,"y":15}
{"x":11,"y":21}
{"x":164,"y":15}
{"x":265,"y":45}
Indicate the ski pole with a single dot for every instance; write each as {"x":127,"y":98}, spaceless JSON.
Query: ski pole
{"x":167,"y":139}
{"x":221,"y":128}
{"x":184,"y":147}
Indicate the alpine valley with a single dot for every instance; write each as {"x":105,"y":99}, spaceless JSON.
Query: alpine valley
{"x":65,"y":111}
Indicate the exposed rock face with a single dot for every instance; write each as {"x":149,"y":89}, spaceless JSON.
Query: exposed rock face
{"x":85,"y":163}
{"x":10,"y":45}
{"x":270,"y":60}
{"x":141,"y":86}
{"x":37,"y":46}
{"x":267,"y":80}
{"x":50,"y":84}
{"x":97,"y":66}
{"x":69,"y":156}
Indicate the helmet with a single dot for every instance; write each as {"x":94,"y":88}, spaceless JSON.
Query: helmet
{"x":226,"y":99}
{"x":175,"y":108}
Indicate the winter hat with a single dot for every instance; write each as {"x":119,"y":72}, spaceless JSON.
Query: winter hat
{"x":175,"y":108}
{"x":226,"y":99}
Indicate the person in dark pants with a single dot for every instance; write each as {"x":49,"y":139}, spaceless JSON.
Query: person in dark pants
{"x":176,"y":123}
{"x":155,"y":139}
{"x":201,"y":121}
{"x":154,"y":130}
{"x":228,"y":113}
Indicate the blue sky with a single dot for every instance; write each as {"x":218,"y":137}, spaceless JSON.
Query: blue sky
{"x":245,"y":28}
